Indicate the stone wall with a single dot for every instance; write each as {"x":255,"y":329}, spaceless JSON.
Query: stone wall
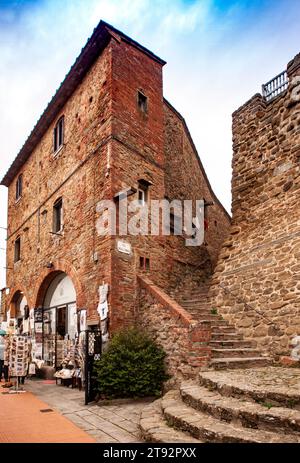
{"x":184,"y":341}
{"x":257,"y":279}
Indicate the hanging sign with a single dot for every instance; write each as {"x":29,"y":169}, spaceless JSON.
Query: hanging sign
{"x":103,"y":310}
{"x":31,"y":319}
{"x":82,"y":320}
{"x":103,"y":292}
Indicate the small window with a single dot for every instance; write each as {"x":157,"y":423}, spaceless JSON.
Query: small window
{"x":18,"y":249}
{"x":141,"y":197}
{"x":175,"y":224}
{"x":57,"y":216}
{"x":58,"y":135}
{"x":142,"y":102}
{"x":144,"y":263}
{"x":19,"y":187}
{"x":143,"y":189}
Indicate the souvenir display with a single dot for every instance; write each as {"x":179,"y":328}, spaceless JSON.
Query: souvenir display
{"x":19,"y":356}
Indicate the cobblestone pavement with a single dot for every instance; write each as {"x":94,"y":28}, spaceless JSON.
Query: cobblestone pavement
{"x":106,"y":424}
{"x":23,"y":419}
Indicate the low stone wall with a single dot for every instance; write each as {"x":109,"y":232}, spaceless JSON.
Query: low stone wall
{"x":183,"y":339}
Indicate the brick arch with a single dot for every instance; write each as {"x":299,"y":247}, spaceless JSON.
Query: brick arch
{"x":15,"y":294}
{"x":48,"y":275}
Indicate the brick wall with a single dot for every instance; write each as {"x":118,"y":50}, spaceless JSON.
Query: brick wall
{"x":77,"y":174}
{"x":259,"y":263}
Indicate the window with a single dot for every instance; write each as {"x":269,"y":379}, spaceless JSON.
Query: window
{"x":143,"y":187}
{"x":142,"y":102}
{"x":18,"y":249}
{"x":141,"y":197}
{"x":144,"y":263}
{"x":175,"y":224}
{"x":57,"y":216}
{"x":19,"y":187}
{"x":58,"y":135}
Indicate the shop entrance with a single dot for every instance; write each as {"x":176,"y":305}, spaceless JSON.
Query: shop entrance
{"x":59,"y":323}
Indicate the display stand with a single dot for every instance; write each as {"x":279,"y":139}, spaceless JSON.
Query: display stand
{"x":16,"y":390}
{"x":18,"y":360}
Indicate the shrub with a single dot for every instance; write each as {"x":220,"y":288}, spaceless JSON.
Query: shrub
{"x":132,"y":366}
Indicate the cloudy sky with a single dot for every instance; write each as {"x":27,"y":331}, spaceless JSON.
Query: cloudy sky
{"x":218,"y":54}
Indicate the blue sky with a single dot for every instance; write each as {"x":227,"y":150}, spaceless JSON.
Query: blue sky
{"x":218,"y":54}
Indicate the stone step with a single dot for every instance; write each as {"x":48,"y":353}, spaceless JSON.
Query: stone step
{"x":208,"y":317}
{"x":219,"y":336}
{"x":213,"y":320}
{"x":234,"y":353}
{"x":230,"y":363}
{"x":200,"y":311}
{"x":198,"y":301}
{"x":154,"y":428}
{"x":209,"y":429}
{"x":230,"y":343}
{"x":222,"y":329}
{"x":243,"y":413}
{"x":191,"y":294}
{"x":272,"y":385}
{"x":197,"y":306}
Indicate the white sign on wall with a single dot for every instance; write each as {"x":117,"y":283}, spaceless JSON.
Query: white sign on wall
{"x":124,"y":247}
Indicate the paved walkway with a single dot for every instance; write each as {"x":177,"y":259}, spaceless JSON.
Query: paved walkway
{"x":106,"y":424}
{"x":22,"y":420}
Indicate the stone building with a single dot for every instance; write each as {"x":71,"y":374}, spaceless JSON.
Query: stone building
{"x":107,"y":132}
{"x":257,"y":279}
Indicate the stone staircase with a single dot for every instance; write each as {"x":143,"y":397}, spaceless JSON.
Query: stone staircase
{"x":260,"y":405}
{"x":229,"y":349}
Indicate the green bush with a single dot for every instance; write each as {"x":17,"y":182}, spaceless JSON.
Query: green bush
{"x":132,"y":366}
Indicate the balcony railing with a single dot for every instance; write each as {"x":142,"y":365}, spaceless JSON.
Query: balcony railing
{"x":276,"y":86}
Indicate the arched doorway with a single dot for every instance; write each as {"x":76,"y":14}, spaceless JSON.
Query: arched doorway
{"x":58,"y":316}
{"x":19,"y":313}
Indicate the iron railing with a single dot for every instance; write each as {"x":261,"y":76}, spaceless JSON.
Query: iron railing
{"x":276,"y":86}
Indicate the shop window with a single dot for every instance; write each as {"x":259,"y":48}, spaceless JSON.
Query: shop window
{"x":61,"y":327}
{"x":18,"y":249}
{"x":142,"y":102}
{"x":58,"y":134}
{"x":57,"y":216}
{"x":19,"y":187}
